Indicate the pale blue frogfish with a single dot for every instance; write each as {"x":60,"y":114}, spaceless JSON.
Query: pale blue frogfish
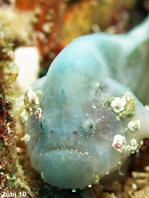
{"x":89,"y":113}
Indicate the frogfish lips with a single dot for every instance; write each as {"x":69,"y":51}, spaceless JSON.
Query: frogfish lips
{"x":67,"y":167}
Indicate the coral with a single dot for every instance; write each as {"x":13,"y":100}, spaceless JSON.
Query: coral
{"x":8,"y":156}
{"x":13,"y":20}
{"x":13,"y":179}
{"x":87,"y":121}
{"x":57,"y":23}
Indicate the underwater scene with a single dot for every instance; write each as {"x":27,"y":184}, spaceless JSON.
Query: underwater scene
{"x":74,"y":99}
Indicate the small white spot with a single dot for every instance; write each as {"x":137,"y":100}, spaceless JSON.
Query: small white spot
{"x":128,"y":96}
{"x":26,"y":138}
{"x":96,"y":179}
{"x":133,"y":145}
{"x":32,"y":96}
{"x":141,"y":142}
{"x":118,"y":104}
{"x":133,"y":142}
{"x":134,"y":125}
{"x":74,"y":190}
{"x":47,"y":27}
{"x":134,"y":186}
{"x":24,"y":116}
{"x":94,"y":107}
{"x":97,"y":84}
{"x":90,"y":186}
{"x":147,"y":107}
{"x":119,"y":143}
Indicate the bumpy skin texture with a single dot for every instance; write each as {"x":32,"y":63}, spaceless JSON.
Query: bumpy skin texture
{"x":88,"y":121}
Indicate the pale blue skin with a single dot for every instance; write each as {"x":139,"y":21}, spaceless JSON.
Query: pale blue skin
{"x":70,"y":95}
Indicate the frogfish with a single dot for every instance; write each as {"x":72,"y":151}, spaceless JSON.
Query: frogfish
{"x":89,"y":113}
